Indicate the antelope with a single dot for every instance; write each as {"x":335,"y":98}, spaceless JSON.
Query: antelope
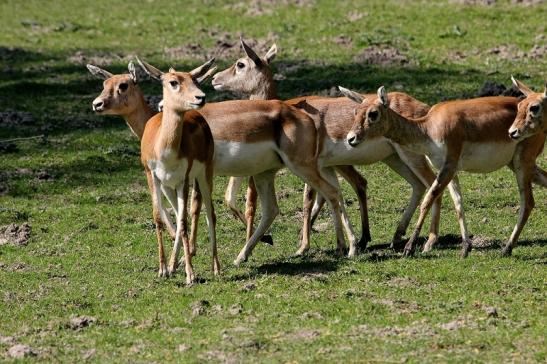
{"x":531,"y":116}
{"x":333,"y":118}
{"x":252,"y":75}
{"x":257,"y":138}
{"x":469,"y":135}
{"x":122,"y":96}
{"x":245,"y":67}
{"x":177,"y":147}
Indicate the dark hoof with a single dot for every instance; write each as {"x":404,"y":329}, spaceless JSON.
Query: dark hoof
{"x":267,"y":239}
{"x":407,"y":253}
{"x":362,"y":244}
{"x":506,"y":252}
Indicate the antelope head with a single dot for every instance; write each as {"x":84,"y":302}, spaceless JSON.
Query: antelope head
{"x":248,"y":74}
{"x":371,"y":119}
{"x":181,"y":90}
{"x":531,"y":115}
{"x":120,"y":95}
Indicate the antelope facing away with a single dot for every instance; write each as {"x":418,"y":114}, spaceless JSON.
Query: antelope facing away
{"x":178,"y":148}
{"x":333,"y":118}
{"x":469,"y":135}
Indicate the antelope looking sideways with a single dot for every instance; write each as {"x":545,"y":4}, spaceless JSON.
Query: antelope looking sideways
{"x":122,"y":96}
{"x":333,"y":118}
{"x":177,"y":147}
{"x":531,"y":115}
{"x":257,"y":138}
{"x":470,"y":135}
{"x":252,"y":75}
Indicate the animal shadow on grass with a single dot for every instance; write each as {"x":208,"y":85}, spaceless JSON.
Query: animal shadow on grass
{"x":313,"y":262}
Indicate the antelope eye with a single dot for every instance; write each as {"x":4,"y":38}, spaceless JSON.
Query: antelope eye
{"x":173,"y":84}
{"x":123,"y":86}
{"x":373,"y":114}
{"x":240,"y":65}
{"x":534,"y":109}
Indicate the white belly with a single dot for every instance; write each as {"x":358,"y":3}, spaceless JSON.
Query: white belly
{"x":339,"y":152}
{"x":245,"y":159}
{"x":172,"y":171}
{"x":486,"y":157}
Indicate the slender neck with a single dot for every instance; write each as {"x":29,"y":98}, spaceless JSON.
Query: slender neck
{"x":266,"y":91}
{"x":136,"y":120}
{"x":404,"y":130}
{"x":170,"y":134}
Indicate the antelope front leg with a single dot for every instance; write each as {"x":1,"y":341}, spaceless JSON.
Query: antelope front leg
{"x":156,"y":208}
{"x":182,"y":234}
{"x":446,"y":174}
{"x":330,"y":176}
{"x":524,"y":174}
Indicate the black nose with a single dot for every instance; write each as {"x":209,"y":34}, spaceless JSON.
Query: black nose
{"x":351,"y":140}
{"x":514,"y":134}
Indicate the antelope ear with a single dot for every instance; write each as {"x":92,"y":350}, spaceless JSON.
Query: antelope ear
{"x":99,"y":72}
{"x":202,"y":70}
{"x":151,"y":70}
{"x":132,"y":72}
{"x":272,"y":52}
{"x":250,"y":53}
{"x":352,"y":95}
{"x":208,"y":74}
{"x":522,"y":87}
{"x":382,"y":95}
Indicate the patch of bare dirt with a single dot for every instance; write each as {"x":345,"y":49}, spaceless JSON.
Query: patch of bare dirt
{"x":98,"y":59}
{"x":227,"y":46}
{"x":15,"y":117}
{"x":527,"y":2}
{"x":218,"y":356}
{"x":13,"y":234}
{"x":474,"y":2}
{"x":511,"y":52}
{"x":416,"y":329}
{"x":265,"y":7}
{"x":305,"y":334}
{"x":80,"y":322}
{"x":355,"y":15}
{"x":382,"y":55}
{"x":20,"y":351}
{"x":482,"y":242}
{"x":343,"y":40}
{"x":199,"y":308}
{"x":459,"y":323}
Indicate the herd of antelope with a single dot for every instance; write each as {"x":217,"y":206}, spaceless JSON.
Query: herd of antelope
{"x":314,"y":137}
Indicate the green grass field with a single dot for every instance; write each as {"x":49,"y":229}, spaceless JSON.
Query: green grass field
{"x":92,"y":250}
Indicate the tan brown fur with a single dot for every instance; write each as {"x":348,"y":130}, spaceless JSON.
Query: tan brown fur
{"x":450,"y":125}
{"x":531,"y":116}
{"x":185,"y":132}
